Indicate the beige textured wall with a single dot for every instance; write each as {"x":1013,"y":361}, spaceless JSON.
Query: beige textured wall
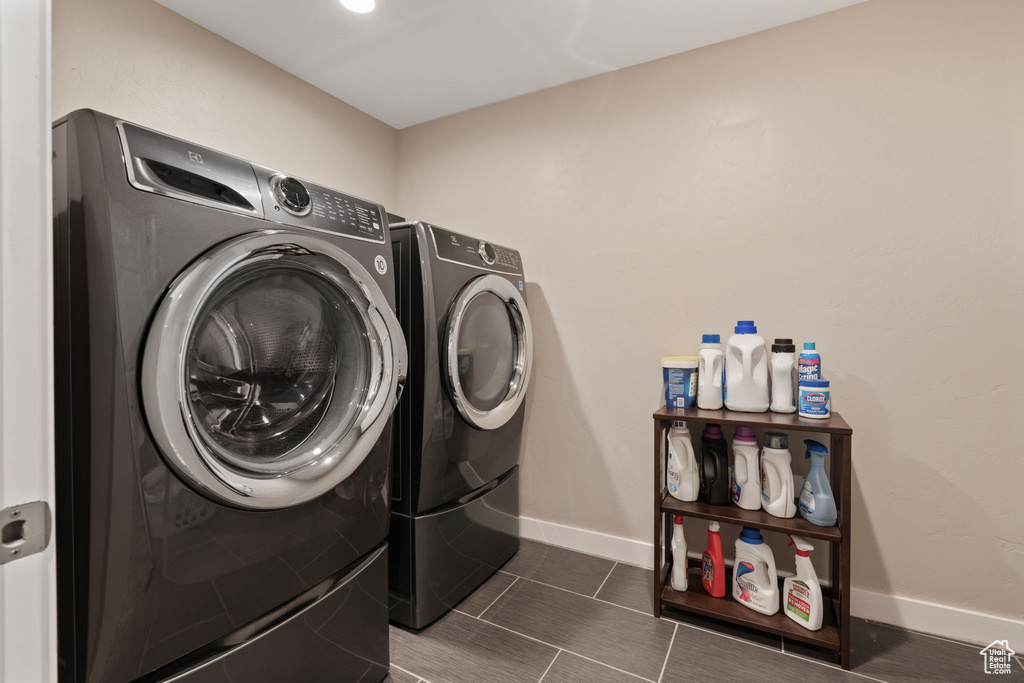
{"x":138,"y":60}
{"x":856,"y":179}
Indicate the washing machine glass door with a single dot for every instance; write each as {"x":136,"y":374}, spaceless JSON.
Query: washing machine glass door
{"x":489,"y":351}
{"x":270,"y":369}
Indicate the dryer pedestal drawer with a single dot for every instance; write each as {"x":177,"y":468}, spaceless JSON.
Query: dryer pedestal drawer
{"x":440,"y":558}
{"x":343,"y":636}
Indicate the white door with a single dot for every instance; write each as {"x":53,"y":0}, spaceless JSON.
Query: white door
{"x":28,"y":619}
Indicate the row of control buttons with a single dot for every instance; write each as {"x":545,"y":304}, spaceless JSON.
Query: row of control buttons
{"x":492,"y":255}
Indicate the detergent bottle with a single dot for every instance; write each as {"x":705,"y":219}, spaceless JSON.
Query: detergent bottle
{"x":678,"y":555}
{"x":683,"y":478}
{"x":816,"y":502}
{"x":802,"y":592}
{"x":712,"y":565}
{"x":777,"y":495}
{"x":746,"y":370}
{"x":745,"y":479}
{"x":783,"y":362}
{"x":710,"y":373}
{"x":755,"y":580}
{"x":714,"y":466}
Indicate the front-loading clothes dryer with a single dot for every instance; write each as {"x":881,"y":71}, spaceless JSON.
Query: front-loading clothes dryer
{"x":227,"y":363}
{"x":455,"y":506}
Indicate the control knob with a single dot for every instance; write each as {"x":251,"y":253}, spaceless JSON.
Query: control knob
{"x":291,"y":195}
{"x":486,"y":252}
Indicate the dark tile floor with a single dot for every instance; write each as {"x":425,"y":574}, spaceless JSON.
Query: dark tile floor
{"x":558,"y":616}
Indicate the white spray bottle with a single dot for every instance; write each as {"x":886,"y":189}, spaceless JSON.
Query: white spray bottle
{"x":679,"y":578}
{"x":802,"y":593}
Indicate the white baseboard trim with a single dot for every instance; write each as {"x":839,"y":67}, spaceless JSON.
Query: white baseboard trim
{"x":943,"y":621}
{"x":591,"y":542}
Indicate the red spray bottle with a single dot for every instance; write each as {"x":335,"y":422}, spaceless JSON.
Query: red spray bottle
{"x":712,"y":574}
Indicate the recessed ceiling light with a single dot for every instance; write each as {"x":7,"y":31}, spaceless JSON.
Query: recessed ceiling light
{"x":360,"y":6}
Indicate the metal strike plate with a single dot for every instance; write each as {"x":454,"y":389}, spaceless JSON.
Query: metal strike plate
{"x":24,"y":531}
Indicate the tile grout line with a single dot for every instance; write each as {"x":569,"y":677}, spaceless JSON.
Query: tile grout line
{"x":541,"y":680}
{"x":723,"y":635}
{"x":605,"y":580}
{"x":588,"y":597}
{"x":833,"y":667}
{"x":498,"y":598}
{"x":538,"y":640}
{"x":419,"y":678}
{"x":669,"y":653}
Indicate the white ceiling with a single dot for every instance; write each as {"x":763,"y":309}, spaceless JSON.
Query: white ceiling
{"x":411,"y":61}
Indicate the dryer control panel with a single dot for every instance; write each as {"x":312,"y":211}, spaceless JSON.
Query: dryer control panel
{"x":469,"y":251}
{"x":296,"y":202}
{"x":176,"y":168}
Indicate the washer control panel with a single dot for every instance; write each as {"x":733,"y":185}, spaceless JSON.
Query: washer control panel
{"x":457,"y":248}
{"x":292,"y":201}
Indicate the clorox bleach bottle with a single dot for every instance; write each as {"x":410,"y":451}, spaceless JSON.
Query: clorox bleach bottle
{"x":803,"y":591}
{"x":679,"y":580}
{"x":746,"y":370}
{"x":745,"y":479}
{"x":683,"y":477}
{"x":710,"y":373}
{"x":755,"y":581}
{"x":777,"y":495}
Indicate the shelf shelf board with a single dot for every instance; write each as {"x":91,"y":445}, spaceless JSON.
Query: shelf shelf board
{"x":758,"y":519}
{"x":787,"y":421}
{"x":697,"y":601}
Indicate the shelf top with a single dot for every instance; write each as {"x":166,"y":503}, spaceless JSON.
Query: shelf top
{"x":790,"y":421}
{"x":758,"y":519}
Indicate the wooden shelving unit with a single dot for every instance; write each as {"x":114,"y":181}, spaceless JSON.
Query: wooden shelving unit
{"x":835,"y":631}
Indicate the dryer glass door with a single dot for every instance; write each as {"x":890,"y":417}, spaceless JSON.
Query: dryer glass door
{"x":489,"y":351}
{"x":271,"y":369}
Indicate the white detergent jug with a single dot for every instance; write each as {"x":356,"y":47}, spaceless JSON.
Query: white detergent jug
{"x":755,"y":581}
{"x":746,"y":370}
{"x":710,"y":373}
{"x":683,"y":478}
{"x":778,"y":497}
{"x":745,"y":479}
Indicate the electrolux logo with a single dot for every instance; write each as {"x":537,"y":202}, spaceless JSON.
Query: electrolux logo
{"x":196,"y":157}
{"x":998,"y":657}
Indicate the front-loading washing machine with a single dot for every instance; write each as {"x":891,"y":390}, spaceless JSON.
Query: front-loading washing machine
{"x":227,"y":363}
{"x":455,"y":504}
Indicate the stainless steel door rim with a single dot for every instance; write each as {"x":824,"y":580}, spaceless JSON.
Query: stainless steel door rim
{"x":341,"y":432}
{"x":519,"y":377}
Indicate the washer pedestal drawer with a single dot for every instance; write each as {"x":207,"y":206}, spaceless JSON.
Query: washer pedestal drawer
{"x":438,"y":558}
{"x":343,"y":636}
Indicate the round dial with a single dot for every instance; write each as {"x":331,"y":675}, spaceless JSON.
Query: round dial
{"x":292,"y":195}
{"x":486,"y":252}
